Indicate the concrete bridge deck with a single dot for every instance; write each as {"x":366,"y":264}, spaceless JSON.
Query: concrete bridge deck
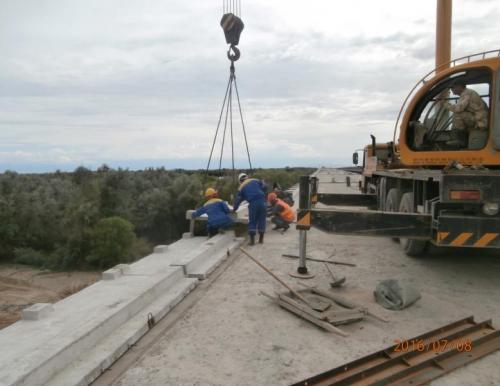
{"x":74,"y":340}
{"x":223,"y":332}
{"x":231,"y":335}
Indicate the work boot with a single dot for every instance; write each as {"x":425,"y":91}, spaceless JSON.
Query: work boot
{"x":286,"y":227}
{"x":252,"y":239}
{"x":261,"y":238}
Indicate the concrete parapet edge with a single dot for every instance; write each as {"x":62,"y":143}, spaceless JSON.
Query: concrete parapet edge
{"x":37,"y":311}
{"x":160,"y":289}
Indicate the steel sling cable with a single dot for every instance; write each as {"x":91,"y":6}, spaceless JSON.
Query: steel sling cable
{"x":232,"y":26}
{"x":243,"y":124}
{"x":231,"y":123}
{"x":218,"y":124}
{"x":225,"y":127}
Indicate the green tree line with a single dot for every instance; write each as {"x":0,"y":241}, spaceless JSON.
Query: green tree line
{"x":99,"y":218}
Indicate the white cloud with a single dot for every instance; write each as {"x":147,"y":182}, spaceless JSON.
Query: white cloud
{"x":92,"y":82}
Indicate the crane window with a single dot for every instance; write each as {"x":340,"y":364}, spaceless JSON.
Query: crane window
{"x":453,"y":114}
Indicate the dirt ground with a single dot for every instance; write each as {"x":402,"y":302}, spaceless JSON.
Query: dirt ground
{"x":22,"y":286}
{"x":233,"y":335}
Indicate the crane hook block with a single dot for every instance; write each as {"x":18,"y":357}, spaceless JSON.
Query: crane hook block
{"x":232,"y":26}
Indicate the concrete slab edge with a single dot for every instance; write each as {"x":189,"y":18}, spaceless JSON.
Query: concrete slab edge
{"x":87,"y":339}
{"x":202,"y":269}
{"x":74,"y":353}
{"x":94,"y":362}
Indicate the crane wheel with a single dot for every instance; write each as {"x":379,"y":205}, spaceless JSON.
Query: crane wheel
{"x":392,"y":205}
{"x":412,"y":247}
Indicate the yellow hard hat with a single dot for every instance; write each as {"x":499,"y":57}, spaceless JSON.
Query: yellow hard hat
{"x":210,"y":192}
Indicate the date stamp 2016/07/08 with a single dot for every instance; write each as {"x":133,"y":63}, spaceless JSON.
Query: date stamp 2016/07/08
{"x":406,"y":345}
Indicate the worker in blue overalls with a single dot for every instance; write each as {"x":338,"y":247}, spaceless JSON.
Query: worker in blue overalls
{"x":254,"y":192}
{"x":217,"y":212}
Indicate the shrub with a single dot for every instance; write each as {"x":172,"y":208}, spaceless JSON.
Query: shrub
{"x":111,"y":242}
{"x":141,"y":248}
{"x":29,"y":256}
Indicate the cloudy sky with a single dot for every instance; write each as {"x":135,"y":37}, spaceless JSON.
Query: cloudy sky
{"x":137,"y":83}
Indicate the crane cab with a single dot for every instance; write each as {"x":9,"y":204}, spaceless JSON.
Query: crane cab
{"x":433,"y":135}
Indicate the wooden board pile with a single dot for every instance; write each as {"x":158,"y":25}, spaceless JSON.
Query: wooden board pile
{"x":322,"y":308}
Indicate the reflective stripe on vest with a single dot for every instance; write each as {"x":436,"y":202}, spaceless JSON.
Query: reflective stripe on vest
{"x":211,"y":201}
{"x":245,"y":183}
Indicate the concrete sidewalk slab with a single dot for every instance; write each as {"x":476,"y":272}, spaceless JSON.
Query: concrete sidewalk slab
{"x":86,"y":332}
{"x":37,"y":350}
{"x":212,"y":248}
{"x":93,"y":362}
{"x":203,"y":267}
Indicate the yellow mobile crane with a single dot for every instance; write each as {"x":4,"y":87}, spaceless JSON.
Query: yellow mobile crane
{"x":436,"y":182}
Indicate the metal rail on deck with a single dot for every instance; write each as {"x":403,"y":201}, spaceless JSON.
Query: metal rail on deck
{"x":418,"y":360}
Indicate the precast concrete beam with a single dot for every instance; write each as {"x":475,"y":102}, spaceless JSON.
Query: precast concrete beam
{"x":193,"y":253}
{"x":72,"y":341}
{"x":161,"y":249}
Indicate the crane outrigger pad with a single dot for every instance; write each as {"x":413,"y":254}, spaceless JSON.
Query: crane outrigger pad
{"x":418,"y":360}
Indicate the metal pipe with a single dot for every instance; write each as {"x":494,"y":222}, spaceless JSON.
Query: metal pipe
{"x":302,"y":269}
{"x":304,"y":192}
{"x":304,"y":204}
{"x":443,"y":34}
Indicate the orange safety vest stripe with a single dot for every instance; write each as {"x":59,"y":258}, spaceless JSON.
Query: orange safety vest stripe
{"x":287,"y":214}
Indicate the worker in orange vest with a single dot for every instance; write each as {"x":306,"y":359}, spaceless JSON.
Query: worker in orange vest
{"x":283,"y":214}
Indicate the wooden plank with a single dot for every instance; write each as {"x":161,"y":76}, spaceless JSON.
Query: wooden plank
{"x":335,"y":317}
{"x":339,"y":314}
{"x":301,"y":307}
{"x":274,"y":276}
{"x":344,"y":317}
{"x":309,"y":314}
{"x":336,"y":298}
{"x":324,"y":325}
{"x":344,"y":302}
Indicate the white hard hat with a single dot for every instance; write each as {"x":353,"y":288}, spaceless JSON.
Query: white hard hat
{"x":242,"y":176}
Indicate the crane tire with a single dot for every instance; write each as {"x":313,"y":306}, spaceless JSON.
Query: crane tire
{"x":392,"y":205}
{"x":412,"y":247}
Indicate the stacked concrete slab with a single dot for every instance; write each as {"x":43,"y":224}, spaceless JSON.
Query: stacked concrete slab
{"x":74,"y":340}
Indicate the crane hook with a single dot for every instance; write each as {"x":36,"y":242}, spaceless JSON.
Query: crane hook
{"x":233,"y":54}
{"x":232,"y":26}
